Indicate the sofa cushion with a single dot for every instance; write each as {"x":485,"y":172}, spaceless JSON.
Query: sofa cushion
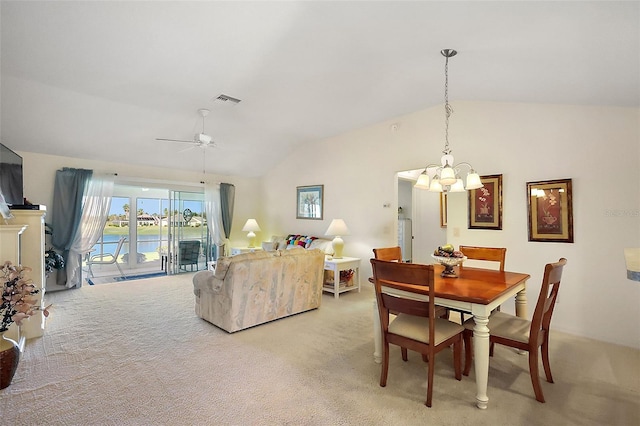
{"x":269,"y":246}
{"x":325,"y":245}
{"x":300,"y":240}
{"x":279,"y":241}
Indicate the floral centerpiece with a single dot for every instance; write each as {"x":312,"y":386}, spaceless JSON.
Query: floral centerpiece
{"x":19,"y":300}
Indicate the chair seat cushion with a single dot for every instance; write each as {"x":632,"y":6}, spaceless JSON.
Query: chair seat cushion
{"x":417,"y":328}
{"x":505,"y":325}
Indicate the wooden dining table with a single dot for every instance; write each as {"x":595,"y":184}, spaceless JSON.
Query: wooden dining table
{"x":475,"y":291}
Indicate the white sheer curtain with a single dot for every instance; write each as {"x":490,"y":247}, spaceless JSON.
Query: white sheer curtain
{"x":213,"y":210}
{"x":96,"y":203}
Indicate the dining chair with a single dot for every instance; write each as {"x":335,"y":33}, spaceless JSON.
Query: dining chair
{"x":393,"y":254}
{"x":107,"y":258}
{"x":522,"y":334}
{"x":490,"y":254}
{"x":415,"y":326}
{"x":484,"y":254}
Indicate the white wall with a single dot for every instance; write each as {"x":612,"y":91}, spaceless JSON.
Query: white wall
{"x":40,"y":170}
{"x":523,"y":142}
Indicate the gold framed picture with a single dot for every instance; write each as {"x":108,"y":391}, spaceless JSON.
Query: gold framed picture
{"x":550,"y":210}
{"x":485,"y":204}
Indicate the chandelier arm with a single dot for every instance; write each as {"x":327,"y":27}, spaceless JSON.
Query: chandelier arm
{"x":457,"y":166}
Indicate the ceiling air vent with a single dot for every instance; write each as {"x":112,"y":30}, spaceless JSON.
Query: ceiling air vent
{"x":224,"y":99}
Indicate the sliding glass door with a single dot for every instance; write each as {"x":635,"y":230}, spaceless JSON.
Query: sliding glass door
{"x":165,"y":231}
{"x":189,"y":242}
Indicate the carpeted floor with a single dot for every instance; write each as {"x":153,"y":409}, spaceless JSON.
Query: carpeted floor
{"x":134,"y":353}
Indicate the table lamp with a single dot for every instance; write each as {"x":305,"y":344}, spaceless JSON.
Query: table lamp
{"x":337,"y":228}
{"x":252,"y":227}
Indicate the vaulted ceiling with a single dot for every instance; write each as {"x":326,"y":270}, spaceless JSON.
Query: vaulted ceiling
{"x":103,"y":80}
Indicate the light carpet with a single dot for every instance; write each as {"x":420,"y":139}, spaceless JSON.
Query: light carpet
{"x":134,"y":353}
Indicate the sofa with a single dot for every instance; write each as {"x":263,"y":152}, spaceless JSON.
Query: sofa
{"x":254,"y":288}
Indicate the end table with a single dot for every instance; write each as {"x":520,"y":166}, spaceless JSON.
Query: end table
{"x":343,"y":264}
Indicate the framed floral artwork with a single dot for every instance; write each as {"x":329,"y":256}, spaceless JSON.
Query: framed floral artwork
{"x":485,"y":204}
{"x":310,"y":200}
{"x":550,"y":211}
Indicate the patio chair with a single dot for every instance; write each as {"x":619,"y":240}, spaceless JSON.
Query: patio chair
{"x":107,"y":258}
{"x":189,"y":252}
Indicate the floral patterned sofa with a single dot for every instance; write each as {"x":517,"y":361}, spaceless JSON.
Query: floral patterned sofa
{"x":254,"y":288}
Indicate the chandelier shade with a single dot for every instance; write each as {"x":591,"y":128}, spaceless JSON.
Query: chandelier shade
{"x":446,"y":176}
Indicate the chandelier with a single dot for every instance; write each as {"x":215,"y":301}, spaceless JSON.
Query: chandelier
{"x":447,"y":173}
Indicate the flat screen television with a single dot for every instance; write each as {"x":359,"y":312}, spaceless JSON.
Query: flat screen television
{"x":11,"y":184}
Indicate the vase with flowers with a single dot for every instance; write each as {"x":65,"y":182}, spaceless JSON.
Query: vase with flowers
{"x":18,"y":303}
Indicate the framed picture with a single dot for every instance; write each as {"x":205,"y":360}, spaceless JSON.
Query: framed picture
{"x":443,"y":209}
{"x":485,"y":204}
{"x":309,"y":202}
{"x":550,"y":211}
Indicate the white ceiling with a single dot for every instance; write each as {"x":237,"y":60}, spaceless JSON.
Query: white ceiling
{"x":102,"y":80}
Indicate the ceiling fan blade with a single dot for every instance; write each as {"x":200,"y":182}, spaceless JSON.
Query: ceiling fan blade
{"x":174,"y":140}
{"x":188,"y":149}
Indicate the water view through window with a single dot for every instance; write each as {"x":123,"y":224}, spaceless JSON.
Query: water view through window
{"x":144,"y":218}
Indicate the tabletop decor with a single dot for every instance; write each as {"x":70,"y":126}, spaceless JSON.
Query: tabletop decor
{"x":18,"y":303}
{"x":309,"y":202}
{"x":550,"y":210}
{"x":485,"y":204}
{"x":448,"y":257}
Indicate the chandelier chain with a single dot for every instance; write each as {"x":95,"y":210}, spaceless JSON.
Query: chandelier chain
{"x":447,"y":108}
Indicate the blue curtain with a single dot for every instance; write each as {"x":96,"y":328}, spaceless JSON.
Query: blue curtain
{"x":227,"y":197}
{"x":67,"y":207}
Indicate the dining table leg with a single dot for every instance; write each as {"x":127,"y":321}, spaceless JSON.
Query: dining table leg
{"x":521,"y":303}
{"x":481,"y":358}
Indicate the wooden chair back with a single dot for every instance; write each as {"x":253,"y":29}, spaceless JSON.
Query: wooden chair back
{"x":413,"y":317}
{"x":513,"y":331}
{"x":491,"y":254}
{"x":541,"y":319}
{"x":388,"y":253}
{"x":402,"y":276}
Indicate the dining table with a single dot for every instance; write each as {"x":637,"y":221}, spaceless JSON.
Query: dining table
{"x":476,"y":291}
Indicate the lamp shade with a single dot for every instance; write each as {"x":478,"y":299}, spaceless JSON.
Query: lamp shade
{"x":457,"y":187}
{"x":447,"y":176}
{"x":435,"y":185}
{"x":251,"y":226}
{"x":423,"y":181}
{"x":337,"y":227}
{"x":473,"y":181}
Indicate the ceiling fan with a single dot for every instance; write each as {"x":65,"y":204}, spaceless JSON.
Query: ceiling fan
{"x":199,"y":139}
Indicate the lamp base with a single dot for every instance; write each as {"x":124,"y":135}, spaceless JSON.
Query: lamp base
{"x":252,"y":239}
{"x":338,"y":245}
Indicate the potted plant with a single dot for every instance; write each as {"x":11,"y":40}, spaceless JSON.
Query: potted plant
{"x":19,"y":301}
{"x":52,"y":260}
